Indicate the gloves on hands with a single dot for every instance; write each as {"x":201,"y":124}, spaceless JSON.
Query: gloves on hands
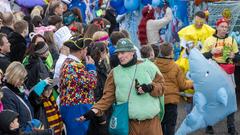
{"x":90,"y":115}
{"x":143,"y":88}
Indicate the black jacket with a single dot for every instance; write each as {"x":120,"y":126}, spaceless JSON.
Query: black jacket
{"x":11,"y":100}
{"x":18,"y":46}
{"x":4,"y":62}
{"x":39,"y":110}
{"x":102,"y":73}
{"x":6,"y":30}
{"x":36,"y":70}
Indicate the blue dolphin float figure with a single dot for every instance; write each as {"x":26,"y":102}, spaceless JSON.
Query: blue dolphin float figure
{"x":214,"y":97}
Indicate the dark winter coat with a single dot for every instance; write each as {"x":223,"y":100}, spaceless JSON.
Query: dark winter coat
{"x":16,"y":101}
{"x":39,"y":110}
{"x":6,"y":30}
{"x":18,"y":46}
{"x":101,"y":78}
{"x":36,"y":70}
{"x":4,"y":62}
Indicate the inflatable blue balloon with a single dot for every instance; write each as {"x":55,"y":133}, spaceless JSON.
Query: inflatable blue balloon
{"x":30,"y":3}
{"x":121,"y":10}
{"x":145,"y":2}
{"x":214,"y":97}
{"x":156,"y":3}
{"x":116,"y":3}
{"x":131,"y":5}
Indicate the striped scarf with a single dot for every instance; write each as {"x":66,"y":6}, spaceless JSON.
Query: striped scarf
{"x":53,"y":114}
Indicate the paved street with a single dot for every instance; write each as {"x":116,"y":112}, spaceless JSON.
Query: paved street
{"x":220,"y":128}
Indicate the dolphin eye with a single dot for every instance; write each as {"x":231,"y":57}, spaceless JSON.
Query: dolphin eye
{"x":207,"y":73}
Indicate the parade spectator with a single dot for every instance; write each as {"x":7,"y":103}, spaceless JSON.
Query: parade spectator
{"x":224,"y":50}
{"x":37,"y":21}
{"x":18,"y":41}
{"x":147,"y":52}
{"x":54,"y":8}
{"x":53,"y":48}
{"x":99,"y":54}
{"x":4,"y":50}
{"x":175,"y":81}
{"x":45,"y":107}
{"x":7,"y":21}
{"x":30,"y":51}
{"x":9,"y":125}
{"x":143,"y":119}
{"x":90,"y":30}
{"x":37,"y":11}
{"x":36,"y":68}
{"x":155,"y":48}
{"x":15,"y":97}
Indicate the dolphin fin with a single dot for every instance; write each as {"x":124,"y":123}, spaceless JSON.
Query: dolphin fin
{"x":222,"y":96}
{"x":199,"y":100}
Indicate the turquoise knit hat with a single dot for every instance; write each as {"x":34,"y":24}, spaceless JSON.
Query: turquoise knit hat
{"x":125,"y":45}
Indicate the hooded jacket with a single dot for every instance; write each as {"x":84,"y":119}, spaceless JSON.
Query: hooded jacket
{"x":175,"y":80}
{"x":18,"y":46}
{"x":6,"y":118}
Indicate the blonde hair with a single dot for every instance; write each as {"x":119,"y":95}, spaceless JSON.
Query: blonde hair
{"x":37,"y":11}
{"x":18,"y":16}
{"x":15,"y":72}
{"x":99,"y":34}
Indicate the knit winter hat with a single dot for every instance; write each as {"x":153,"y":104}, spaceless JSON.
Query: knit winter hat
{"x":40,"y":48}
{"x":125,"y":45}
{"x":6,"y":117}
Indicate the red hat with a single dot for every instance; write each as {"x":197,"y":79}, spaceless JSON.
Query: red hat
{"x":222,"y":20}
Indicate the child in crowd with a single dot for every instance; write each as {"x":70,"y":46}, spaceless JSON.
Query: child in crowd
{"x":147,"y":52}
{"x":9,"y":125}
{"x":175,"y":81}
{"x":44,"y":103}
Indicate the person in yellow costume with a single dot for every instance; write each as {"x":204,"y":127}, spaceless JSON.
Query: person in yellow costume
{"x":197,"y":32}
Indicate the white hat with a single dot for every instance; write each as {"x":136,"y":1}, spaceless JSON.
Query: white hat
{"x":67,"y":1}
{"x":62,"y":35}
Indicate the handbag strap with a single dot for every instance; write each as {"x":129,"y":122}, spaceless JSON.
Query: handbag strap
{"x":132,"y":83}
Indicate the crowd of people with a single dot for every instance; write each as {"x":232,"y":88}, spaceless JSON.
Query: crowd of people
{"x":62,"y":75}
